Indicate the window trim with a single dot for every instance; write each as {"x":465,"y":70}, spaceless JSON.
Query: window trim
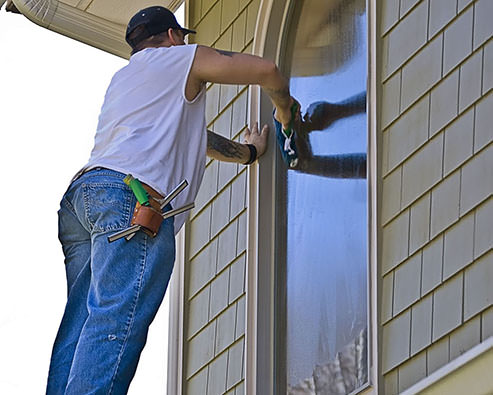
{"x":374,"y":189}
{"x":176,"y":318}
{"x":260,"y":274}
{"x":259,"y":277}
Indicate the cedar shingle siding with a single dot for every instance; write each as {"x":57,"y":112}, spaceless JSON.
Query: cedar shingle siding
{"x":436,"y":117}
{"x":216,"y":234}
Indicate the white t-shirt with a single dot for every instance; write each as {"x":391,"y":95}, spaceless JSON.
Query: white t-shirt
{"x":148,"y":128}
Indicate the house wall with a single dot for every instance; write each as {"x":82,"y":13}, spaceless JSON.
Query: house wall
{"x":214,"y":322}
{"x":436,"y":219}
{"x":435,"y":107}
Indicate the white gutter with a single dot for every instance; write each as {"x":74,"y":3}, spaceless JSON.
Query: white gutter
{"x":77,"y":24}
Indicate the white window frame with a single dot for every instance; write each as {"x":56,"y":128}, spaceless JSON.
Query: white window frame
{"x":176,"y":316}
{"x":260,"y":276}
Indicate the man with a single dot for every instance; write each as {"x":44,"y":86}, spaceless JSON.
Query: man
{"x":152,"y":125}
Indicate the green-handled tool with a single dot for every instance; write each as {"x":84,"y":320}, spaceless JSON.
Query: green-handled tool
{"x":143,"y":198}
{"x":286,"y":138}
{"x":138,"y":190}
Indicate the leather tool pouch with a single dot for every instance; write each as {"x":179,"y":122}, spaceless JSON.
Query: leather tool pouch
{"x":148,"y":217}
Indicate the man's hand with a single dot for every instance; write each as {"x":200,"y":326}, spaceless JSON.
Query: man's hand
{"x":284,"y":115}
{"x":258,"y":139}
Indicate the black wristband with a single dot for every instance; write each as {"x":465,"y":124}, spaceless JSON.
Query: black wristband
{"x":253,"y":154}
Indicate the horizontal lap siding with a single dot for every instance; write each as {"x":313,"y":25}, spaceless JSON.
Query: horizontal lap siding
{"x":216,"y":232}
{"x":436,"y":117}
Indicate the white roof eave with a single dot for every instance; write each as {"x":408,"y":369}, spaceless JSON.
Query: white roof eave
{"x":76,"y":24}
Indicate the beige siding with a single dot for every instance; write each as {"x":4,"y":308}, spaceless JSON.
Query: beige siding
{"x":436,"y":218}
{"x":216,"y":245}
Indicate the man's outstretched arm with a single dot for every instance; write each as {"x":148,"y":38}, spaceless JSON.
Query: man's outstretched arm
{"x":212,"y":65}
{"x":226,"y":150}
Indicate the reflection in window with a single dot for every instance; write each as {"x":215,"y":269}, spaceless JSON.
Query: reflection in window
{"x":325,"y":203}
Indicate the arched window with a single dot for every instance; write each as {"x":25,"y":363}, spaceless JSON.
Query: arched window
{"x":322,"y":205}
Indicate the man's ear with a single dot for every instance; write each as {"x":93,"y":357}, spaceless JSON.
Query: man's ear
{"x":171,"y":37}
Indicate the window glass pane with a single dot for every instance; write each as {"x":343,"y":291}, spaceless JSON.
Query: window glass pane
{"x":325,"y":240}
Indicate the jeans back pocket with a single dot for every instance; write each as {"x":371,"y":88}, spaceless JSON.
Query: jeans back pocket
{"x":108,"y":205}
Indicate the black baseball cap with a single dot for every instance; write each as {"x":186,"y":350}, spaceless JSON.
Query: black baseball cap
{"x":156,"y":20}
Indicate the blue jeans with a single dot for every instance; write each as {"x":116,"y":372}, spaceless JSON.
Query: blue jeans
{"x":114,"y":289}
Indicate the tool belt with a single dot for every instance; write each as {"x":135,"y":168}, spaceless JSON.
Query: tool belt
{"x":148,"y":213}
{"x":149,"y":217}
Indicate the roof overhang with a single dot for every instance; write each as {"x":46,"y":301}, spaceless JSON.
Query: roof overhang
{"x":99,"y":23}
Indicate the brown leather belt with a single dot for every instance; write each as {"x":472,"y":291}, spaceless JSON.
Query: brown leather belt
{"x":152,"y":192}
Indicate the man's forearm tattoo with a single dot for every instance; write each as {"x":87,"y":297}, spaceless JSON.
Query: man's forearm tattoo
{"x":225,"y":53}
{"x":224,"y":146}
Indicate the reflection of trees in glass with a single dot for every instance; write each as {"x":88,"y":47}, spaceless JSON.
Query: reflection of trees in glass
{"x":342,"y":375}
{"x":319,"y":116}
